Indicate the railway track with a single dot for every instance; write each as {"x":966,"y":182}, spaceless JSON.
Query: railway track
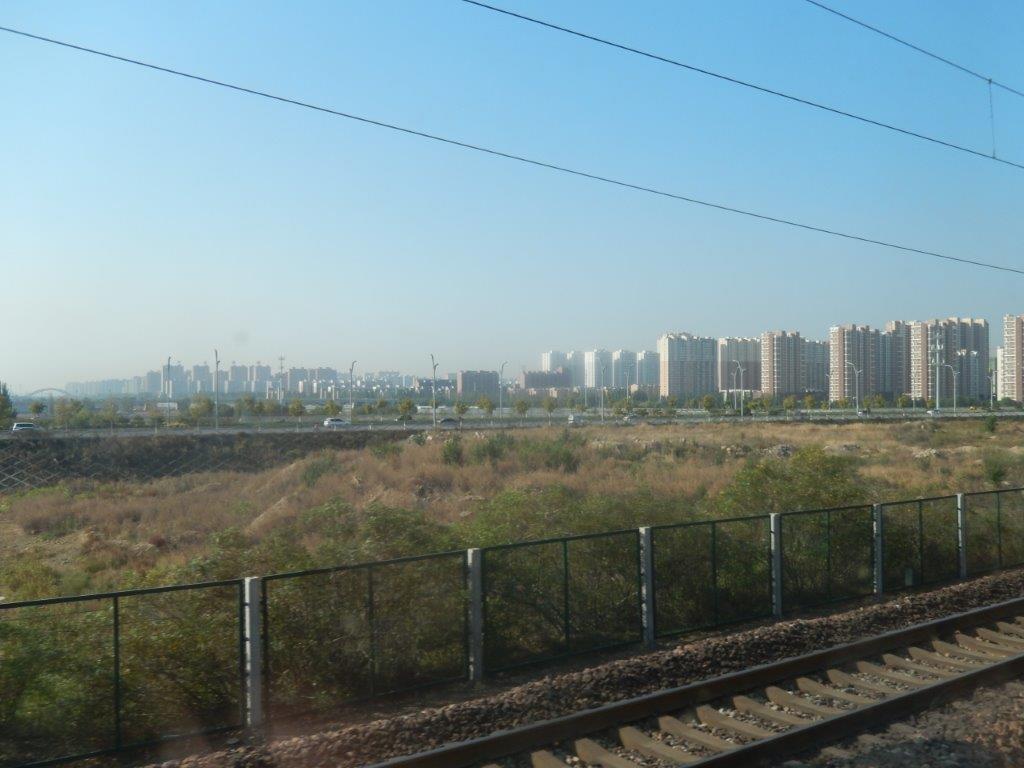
{"x":766,"y":713}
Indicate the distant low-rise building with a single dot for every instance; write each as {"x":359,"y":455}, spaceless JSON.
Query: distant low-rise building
{"x":559,"y":378}
{"x":472,"y":385}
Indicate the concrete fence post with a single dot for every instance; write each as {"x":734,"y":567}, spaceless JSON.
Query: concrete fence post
{"x":775,"y":529}
{"x":253,"y":607}
{"x":878,"y":538}
{"x":475,"y":585}
{"x":961,"y":535}
{"x":647,"y":586}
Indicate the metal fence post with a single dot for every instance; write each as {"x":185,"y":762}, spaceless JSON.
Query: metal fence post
{"x":878,"y":538}
{"x":253,"y":594}
{"x":475,"y":576}
{"x":775,"y":529}
{"x":647,"y":585}
{"x":961,"y":535}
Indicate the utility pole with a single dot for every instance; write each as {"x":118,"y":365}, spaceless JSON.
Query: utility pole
{"x":856,"y":385}
{"x":955,"y":373}
{"x":433,"y":388}
{"x":602,"y":392}
{"x":351,"y":388}
{"x":216,"y":390}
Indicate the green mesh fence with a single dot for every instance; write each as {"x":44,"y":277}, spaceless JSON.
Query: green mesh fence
{"x":995,"y":530}
{"x":88,"y":676}
{"x":919,"y":542}
{"x":337,"y":635}
{"x":827,"y":555}
{"x":559,"y":597}
{"x":711,"y":573}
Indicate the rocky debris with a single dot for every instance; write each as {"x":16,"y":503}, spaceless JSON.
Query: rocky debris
{"x":985,"y":730}
{"x":554,"y":695}
{"x":781,"y":451}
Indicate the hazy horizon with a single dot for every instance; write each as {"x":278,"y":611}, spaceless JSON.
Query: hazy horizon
{"x":147,"y":216}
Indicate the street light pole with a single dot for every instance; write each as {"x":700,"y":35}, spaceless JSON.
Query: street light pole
{"x":741,"y":370}
{"x":351,"y":389}
{"x":433,"y":388}
{"x":602,"y":392}
{"x":856,"y":385}
{"x":956,"y":373}
{"x":216,"y":390}
{"x":501,"y":371}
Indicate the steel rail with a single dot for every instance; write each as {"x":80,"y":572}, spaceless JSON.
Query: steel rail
{"x":579,"y":724}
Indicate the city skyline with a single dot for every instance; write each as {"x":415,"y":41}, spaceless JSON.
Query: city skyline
{"x":198,"y":218}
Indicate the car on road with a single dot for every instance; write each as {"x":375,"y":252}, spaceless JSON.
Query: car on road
{"x":333,"y":422}
{"x":26,"y":426}
{"x":575,"y":419}
{"x":448,"y":423}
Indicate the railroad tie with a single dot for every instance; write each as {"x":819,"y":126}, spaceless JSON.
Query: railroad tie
{"x":544,"y":759}
{"x":1010,"y":629}
{"x":1010,"y":641}
{"x":693,"y":735}
{"x":757,"y":709}
{"x":941,"y":646}
{"x":638,"y":741}
{"x":814,"y":688}
{"x":992,"y":649}
{"x":783,"y":698}
{"x":838,"y":677}
{"x":920,"y":654}
{"x":867,"y":668}
{"x":899,"y":662}
{"x":591,"y":752}
{"x":712,"y":718}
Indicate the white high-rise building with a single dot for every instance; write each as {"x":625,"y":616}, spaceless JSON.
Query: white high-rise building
{"x":687,"y":365}
{"x":552,"y":361}
{"x":575,"y":361}
{"x":597,"y":368}
{"x":783,"y":363}
{"x":648,"y":369}
{"x":1011,"y":368}
{"x":943,"y":349}
{"x":746,"y":352}
{"x":623,"y":369}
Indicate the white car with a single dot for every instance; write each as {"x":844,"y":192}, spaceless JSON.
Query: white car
{"x":334,"y":422}
{"x":25,"y":426}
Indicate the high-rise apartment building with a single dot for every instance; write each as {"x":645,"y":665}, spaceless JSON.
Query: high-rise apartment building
{"x":648,"y":370}
{"x":687,"y":365}
{"x":576,"y":363}
{"x":783,"y":363}
{"x":854,"y":352}
{"x":746,"y":352}
{"x":816,"y":357}
{"x":472,"y":385}
{"x":201,"y":379}
{"x":941,"y":350}
{"x":1011,"y":369}
{"x":597,"y":368}
{"x":623,"y":368}
{"x":553,"y":360}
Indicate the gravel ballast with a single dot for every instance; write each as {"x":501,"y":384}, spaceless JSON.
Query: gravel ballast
{"x":554,"y":695}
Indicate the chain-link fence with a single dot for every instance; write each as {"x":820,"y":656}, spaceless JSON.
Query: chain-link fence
{"x":920,"y":542}
{"x":559,"y":597}
{"x":827,"y":555}
{"x":995,"y":530}
{"x":710,"y":573}
{"x":93,"y":675}
{"x":338,"y":635}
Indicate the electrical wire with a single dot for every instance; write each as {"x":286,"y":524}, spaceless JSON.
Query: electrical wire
{"x":518,"y":158}
{"x":918,"y":48}
{"x":746,"y":84}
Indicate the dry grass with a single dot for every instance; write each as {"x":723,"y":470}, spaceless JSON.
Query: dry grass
{"x":104,"y":529}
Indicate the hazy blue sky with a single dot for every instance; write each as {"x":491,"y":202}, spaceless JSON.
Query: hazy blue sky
{"x":143,"y":216}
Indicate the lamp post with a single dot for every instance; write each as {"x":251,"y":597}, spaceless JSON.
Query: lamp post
{"x":856,"y":385}
{"x":351,"y":389}
{"x":828,"y":391}
{"x":734,"y":390}
{"x":741,"y":370}
{"x":433,"y":388}
{"x":216,"y":390}
{"x":501,"y":371}
{"x":956,"y":373}
{"x":602,"y":392}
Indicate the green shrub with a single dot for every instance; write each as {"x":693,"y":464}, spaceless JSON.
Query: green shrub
{"x":451,"y":451}
{"x":492,"y":449}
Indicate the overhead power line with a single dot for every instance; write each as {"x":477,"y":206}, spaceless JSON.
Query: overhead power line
{"x":746,"y":84}
{"x":919,"y":49}
{"x":518,"y":158}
